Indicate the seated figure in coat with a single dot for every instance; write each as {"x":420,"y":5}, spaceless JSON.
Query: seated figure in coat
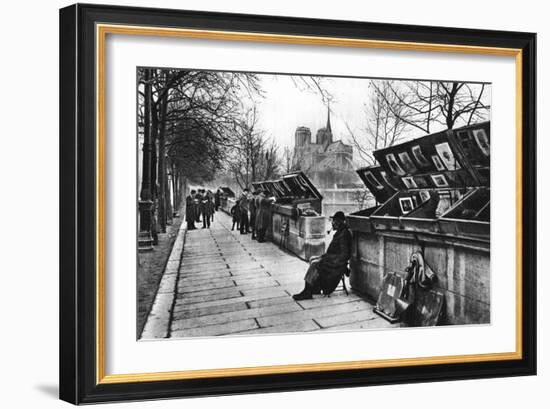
{"x":326,"y":271}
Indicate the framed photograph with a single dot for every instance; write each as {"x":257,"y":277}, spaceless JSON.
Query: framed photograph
{"x":440,"y":180}
{"x":409,"y":182}
{"x":424,"y":195}
{"x":394,"y":166}
{"x":482,"y":141}
{"x":186,"y":265}
{"x":406,"y":204}
{"x":419,"y":156}
{"x":437,"y":163}
{"x":372,"y":179}
{"x":447,"y":156}
{"x":407,"y":162}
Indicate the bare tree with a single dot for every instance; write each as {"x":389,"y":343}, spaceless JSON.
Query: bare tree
{"x":198,"y":105}
{"x":424,"y":104}
{"x":287,"y":159}
{"x":383,"y":123}
{"x":314,"y":84}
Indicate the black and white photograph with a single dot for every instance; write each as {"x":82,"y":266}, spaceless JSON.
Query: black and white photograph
{"x":446,"y":155}
{"x":440,"y":181}
{"x":482,"y":141}
{"x":250,"y":204}
{"x":419,"y":156}
{"x":406,"y":204}
{"x":409,"y":182}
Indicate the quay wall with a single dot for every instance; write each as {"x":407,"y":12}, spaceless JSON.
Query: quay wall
{"x":462,"y":267}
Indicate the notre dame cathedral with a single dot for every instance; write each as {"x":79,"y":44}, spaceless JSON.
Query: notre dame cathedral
{"x":328,"y":163}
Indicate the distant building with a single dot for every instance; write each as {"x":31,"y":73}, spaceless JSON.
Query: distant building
{"x":327,"y":163}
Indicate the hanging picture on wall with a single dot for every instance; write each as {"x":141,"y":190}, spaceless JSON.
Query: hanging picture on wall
{"x":218,"y":232}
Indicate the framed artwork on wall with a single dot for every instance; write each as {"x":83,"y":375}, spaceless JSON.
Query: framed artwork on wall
{"x":195,"y":253}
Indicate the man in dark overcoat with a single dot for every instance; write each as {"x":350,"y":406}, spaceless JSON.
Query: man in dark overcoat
{"x":325,"y":272}
{"x":253,"y":210}
{"x":207,"y":209}
{"x":243,"y":208}
{"x":198,"y":200}
{"x":217,"y":199}
{"x":190,"y":210}
{"x":263,"y":216}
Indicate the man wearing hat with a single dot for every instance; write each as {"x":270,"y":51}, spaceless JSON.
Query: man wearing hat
{"x":325,"y":272}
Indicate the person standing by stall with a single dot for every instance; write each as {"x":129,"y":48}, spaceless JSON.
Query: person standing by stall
{"x":190,"y":210}
{"x":263,"y":218}
{"x":253,"y":211}
{"x":236,"y":215}
{"x":325,"y":272}
{"x":198,"y":201}
{"x":243,"y":208}
{"x":207,"y":208}
{"x":217,"y":199}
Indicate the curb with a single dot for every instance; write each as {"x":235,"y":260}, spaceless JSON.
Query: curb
{"x":158,"y":321}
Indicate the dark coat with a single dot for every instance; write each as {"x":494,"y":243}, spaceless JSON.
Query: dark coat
{"x":206,"y":206}
{"x":243,"y":203}
{"x":236,"y":213}
{"x":190,"y":211}
{"x":334,"y":262}
{"x":263,"y":216}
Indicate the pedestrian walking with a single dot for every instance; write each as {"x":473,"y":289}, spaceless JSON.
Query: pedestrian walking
{"x":207,"y":208}
{"x":198,"y":201}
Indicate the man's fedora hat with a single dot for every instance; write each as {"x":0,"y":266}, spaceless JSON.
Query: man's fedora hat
{"x":340,"y":216}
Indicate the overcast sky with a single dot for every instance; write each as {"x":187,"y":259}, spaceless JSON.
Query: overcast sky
{"x":286,"y":106}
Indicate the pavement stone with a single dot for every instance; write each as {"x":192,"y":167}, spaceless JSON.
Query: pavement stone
{"x":219,"y":282}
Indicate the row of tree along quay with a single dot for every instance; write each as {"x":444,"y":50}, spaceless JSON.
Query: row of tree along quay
{"x":205,"y":128}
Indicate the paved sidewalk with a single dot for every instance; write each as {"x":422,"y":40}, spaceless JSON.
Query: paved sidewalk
{"x":228,"y":283}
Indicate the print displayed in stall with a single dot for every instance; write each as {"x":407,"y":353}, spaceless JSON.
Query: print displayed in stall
{"x":386,"y":179}
{"x":482,"y":141}
{"x":409,"y":182}
{"x":407,"y":162}
{"x":424,"y":195}
{"x":374,"y":182}
{"x":437,"y":163}
{"x":419,"y":156}
{"x":446,"y":155}
{"x":406,"y":204}
{"x":394,"y":166}
{"x":440,"y":181}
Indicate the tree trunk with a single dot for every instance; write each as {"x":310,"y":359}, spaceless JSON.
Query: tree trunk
{"x":162,"y":166}
{"x":146,"y":190}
